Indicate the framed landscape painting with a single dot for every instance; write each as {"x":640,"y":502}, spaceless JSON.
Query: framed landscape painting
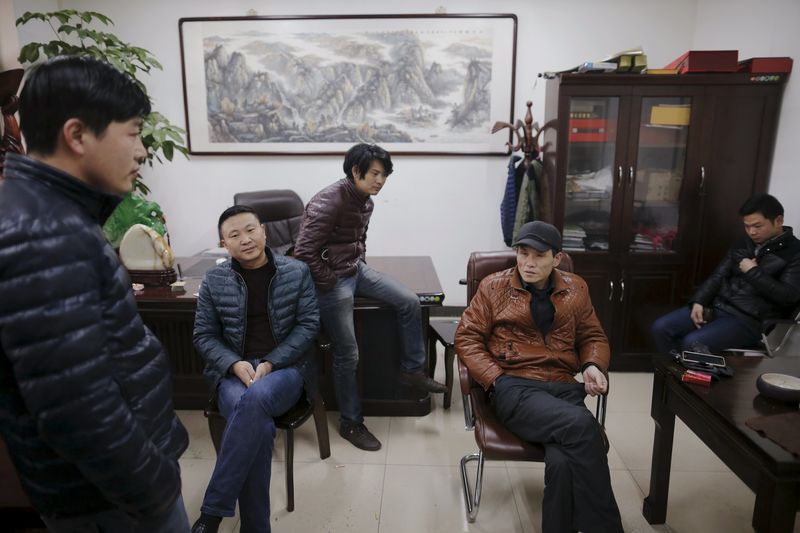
{"x":415,"y":84}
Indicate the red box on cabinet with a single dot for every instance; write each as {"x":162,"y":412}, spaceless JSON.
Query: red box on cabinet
{"x":766,"y":65}
{"x":706,"y":61}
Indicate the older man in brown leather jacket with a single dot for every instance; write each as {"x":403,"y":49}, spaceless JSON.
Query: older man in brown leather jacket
{"x":526,"y":333}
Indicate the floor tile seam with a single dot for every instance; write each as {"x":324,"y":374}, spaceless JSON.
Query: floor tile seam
{"x":385,"y":469}
{"x":513,"y":496}
{"x":440,"y":465}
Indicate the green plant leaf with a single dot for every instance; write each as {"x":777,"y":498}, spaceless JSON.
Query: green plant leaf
{"x":29,"y":53}
{"x":158,"y":135}
{"x":102,"y":18}
{"x":62,"y":17}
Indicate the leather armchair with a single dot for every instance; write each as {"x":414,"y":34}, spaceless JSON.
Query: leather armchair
{"x":494,"y":440}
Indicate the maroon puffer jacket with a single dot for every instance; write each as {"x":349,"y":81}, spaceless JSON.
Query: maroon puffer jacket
{"x":333,"y":233}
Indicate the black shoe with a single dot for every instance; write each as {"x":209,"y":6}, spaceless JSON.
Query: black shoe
{"x":359,"y":436}
{"x":206,"y":524}
{"x":423,"y":382}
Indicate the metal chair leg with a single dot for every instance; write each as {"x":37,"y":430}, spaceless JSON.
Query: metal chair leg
{"x":469,"y":419}
{"x":472,"y":500}
{"x":289,"y":470}
{"x":321,"y":423}
{"x":449,"y":358}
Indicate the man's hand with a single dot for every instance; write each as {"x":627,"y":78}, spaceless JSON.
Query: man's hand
{"x":746,"y":264}
{"x":262,"y":370}
{"x":244,"y":371}
{"x":594,"y":381}
{"x":697,"y":315}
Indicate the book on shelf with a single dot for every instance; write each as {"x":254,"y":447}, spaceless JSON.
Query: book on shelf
{"x":670,"y":115}
{"x":631,"y":60}
{"x":661,"y":71}
{"x":639,"y":63}
{"x":589,"y":195}
{"x":597,"y":66}
{"x":631,"y":52}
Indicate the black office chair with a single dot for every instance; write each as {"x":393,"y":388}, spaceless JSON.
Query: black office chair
{"x":280,"y":210}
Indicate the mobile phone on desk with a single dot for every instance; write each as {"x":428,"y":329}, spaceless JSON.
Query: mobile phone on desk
{"x":703,"y":358}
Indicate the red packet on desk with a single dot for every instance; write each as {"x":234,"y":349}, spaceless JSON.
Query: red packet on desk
{"x":699,"y":378}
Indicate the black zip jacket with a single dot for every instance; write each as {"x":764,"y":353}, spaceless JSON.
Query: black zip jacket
{"x":769,"y":290}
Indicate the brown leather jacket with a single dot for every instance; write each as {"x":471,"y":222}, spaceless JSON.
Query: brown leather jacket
{"x":497,"y":335}
{"x":333,"y":233}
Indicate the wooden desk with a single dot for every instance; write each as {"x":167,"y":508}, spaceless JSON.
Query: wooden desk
{"x":171,"y":317}
{"x":717,"y":415}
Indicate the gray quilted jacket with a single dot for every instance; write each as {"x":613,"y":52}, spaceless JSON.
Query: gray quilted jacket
{"x":219,"y":323}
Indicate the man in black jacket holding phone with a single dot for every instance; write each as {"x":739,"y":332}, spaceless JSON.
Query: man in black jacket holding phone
{"x":758,"y":279}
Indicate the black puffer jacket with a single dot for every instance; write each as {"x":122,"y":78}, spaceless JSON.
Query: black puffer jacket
{"x":770,"y":290}
{"x":333,"y":233}
{"x":85,"y":388}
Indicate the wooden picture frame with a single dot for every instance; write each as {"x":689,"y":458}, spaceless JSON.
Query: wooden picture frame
{"x":316,"y":85}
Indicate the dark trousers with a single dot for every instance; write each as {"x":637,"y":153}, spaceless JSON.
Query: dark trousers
{"x":676,"y":331}
{"x":577,"y":493}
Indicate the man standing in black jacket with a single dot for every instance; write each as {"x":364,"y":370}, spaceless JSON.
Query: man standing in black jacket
{"x":85,"y":388}
{"x":757,"y":280}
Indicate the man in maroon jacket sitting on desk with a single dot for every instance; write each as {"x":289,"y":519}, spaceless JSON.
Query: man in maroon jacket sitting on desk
{"x":332,"y":241}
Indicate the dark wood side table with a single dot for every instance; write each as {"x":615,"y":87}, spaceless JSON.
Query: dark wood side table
{"x":444,"y":331}
{"x":171,"y":317}
{"x":717,"y":415}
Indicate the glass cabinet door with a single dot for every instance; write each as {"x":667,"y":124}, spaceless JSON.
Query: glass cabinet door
{"x":660,"y":165}
{"x":591,"y":149}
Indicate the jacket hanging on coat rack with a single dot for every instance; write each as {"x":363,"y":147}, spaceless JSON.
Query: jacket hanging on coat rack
{"x":508,"y":206}
{"x":528,"y":195}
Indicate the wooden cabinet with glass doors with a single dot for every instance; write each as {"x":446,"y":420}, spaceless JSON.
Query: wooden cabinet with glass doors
{"x":646,"y":186}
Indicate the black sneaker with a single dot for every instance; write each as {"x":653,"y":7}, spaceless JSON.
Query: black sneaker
{"x":206,"y":524}
{"x":359,"y":436}
{"x":423,"y":382}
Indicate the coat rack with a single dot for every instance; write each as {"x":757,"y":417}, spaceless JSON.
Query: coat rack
{"x":527,"y":134}
{"x":527,"y":141}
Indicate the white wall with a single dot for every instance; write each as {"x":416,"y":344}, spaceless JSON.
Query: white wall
{"x":767,"y":28}
{"x":444,"y":207}
{"x":9,"y":42}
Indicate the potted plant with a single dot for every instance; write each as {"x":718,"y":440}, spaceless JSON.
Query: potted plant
{"x":76,"y":34}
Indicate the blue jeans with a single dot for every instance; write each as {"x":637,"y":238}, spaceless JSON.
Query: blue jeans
{"x":676,"y":331}
{"x":336,"y":312}
{"x":115,"y":521}
{"x":244,"y":464}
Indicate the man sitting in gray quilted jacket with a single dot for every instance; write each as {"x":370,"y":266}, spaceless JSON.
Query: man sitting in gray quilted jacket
{"x":257,"y":318}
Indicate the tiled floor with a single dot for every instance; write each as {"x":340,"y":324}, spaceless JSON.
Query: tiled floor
{"x":413,"y":485}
